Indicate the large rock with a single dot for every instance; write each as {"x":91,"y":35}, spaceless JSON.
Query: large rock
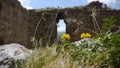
{"x":12,"y":52}
{"x":13,"y":23}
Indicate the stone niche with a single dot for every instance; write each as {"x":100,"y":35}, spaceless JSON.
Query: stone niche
{"x":13,"y":23}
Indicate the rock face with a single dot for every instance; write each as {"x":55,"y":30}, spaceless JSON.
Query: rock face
{"x":12,"y":52}
{"x":13,"y":22}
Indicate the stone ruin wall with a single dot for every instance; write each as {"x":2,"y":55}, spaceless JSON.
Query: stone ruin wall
{"x":77,"y":21}
{"x":17,"y":25}
{"x":45,"y":23}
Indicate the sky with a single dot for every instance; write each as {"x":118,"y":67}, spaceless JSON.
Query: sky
{"x":38,"y":4}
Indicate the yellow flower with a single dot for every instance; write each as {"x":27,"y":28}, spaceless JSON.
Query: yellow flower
{"x":88,"y":35}
{"x":65,"y":36}
{"x":85,"y":35}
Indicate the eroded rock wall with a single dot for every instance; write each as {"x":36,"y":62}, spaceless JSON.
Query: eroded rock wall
{"x":13,"y":22}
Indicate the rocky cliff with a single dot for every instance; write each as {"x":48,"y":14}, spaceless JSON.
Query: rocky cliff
{"x":13,"y":22}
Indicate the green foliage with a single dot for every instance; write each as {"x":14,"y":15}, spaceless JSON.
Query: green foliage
{"x":108,"y":24}
{"x":77,"y":7}
{"x":111,"y":43}
{"x":103,"y":54}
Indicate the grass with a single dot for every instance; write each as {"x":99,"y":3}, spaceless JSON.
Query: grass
{"x":49,"y":58}
{"x":68,"y":55}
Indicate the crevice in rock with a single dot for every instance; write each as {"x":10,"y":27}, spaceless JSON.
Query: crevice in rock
{"x":1,"y":40}
{"x":0,"y":6}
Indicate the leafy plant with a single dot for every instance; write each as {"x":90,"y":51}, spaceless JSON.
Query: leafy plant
{"x":108,"y":24}
{"x":77,"y":7}
{"x":111,"y":43}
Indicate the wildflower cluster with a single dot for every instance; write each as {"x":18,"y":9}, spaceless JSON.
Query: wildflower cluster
{"x":65,"y":37}
{"x":85,"y":35}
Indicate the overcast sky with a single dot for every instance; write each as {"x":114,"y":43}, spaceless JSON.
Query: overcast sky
{"x":37,"y":4}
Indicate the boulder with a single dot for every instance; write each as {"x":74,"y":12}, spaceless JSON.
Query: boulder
{"x":12,"y":52}
{"x":13,"y":23}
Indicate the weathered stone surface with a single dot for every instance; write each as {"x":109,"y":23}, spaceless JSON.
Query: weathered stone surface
{"x":13,"y":22}
{"x":12,"y":52}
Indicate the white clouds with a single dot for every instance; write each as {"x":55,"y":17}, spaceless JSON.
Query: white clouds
{"x":27,"y":7}
{"x":104,"y":1}
{"x":26,"y":3}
